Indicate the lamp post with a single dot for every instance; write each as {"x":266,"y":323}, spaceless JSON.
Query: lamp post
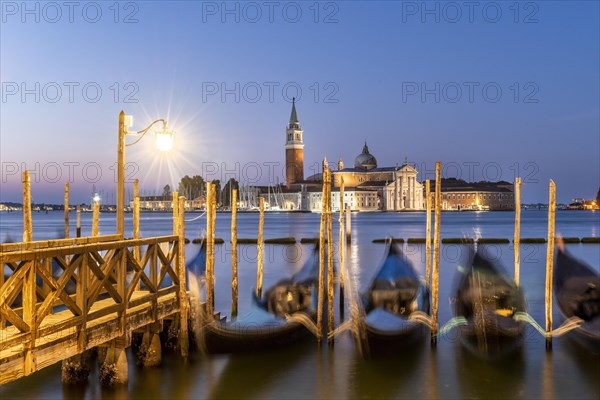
{"x":164,"y":142}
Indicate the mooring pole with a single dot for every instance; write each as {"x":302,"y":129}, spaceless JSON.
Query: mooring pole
{"x":342,"y":248}
{"x":183,"y":299}
{"x":549,"y":262}
{"x":234,"y":261}
{"x":436,"y":252}
{"x":213,"y":225}
{"x":136,"y":224}
{"x":517,"y":238}
{"x":95,"y":217}
{"x":209,"y":250}
{"x":136,"y":217}
{"x":348,"y":224}
{"x":175,"y":204}
{"x":428,"y":235}
{"x":78,"y":220}
{"x":330,"y":299}
{"x":321,"y":294}
{"x":66,"y":208}
{"x":121,"y":175}
{"x":27,"y":224}
{"x":259,"y":273}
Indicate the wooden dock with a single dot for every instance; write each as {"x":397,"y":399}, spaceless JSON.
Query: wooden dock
{"x":63,"y":297}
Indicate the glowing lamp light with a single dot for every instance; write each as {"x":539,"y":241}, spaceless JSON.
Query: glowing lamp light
{"x":164,"y":140}
{"x":96,"y":198}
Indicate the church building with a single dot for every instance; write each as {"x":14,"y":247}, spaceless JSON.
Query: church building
{"x":367,"y":187}
{"x":294,"y":150}
{"x":397,"y":187}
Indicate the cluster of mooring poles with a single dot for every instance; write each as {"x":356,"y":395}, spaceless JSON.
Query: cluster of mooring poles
{"x":326,"y":254}
{"x":114,"y":354}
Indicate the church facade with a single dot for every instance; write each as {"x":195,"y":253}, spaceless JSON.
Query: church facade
{"x":397,"y":187}
{"x":367,"y":187}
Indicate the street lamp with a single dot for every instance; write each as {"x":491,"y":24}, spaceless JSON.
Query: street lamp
{"x":164,"y":142}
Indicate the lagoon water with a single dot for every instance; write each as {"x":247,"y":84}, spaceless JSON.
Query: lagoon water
{"x":308,"y":371}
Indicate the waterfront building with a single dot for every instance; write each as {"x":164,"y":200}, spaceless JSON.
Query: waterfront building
{"x":396,"y":187}
{"x":458,"y":195}
{"x":368,"y":187}
{"x":162,"y":203}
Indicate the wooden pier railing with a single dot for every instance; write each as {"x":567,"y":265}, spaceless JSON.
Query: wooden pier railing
{"x":63,"y":297}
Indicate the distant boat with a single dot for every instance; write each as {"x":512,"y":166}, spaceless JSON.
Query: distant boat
{"x":488,"y":300}
{"x":265,"y":326}
{"x":577,"y":292}
{"x":395,"y":294}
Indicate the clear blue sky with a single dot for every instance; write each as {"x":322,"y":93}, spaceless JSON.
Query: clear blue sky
{"x":415,"y":81}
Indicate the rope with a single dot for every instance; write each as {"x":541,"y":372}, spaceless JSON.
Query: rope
{"x":568,"y":325}
{"x":196,"y":218}
{"x":347,"y":325}
{"x":421,"y":318}
{"x":303,"y":319}
{"x":453,"y":323}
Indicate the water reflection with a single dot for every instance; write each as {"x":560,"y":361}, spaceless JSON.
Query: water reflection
{"x":502,"y":379}
{"x":387,"y":376}
{"x":305,"y":371}
{"x":247,"y":376}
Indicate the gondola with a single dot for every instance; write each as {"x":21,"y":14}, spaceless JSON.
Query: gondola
{"x":265,"y":326}
{"x":394,"y":296}
{"x":577,"y":292}
{"x":488,"y":300}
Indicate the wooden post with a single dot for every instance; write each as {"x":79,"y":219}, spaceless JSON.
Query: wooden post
{"x":261,"y":223}
{"x":209,"y":251}
{"x":136,"y":216}
{"x":136,"y":224}
{"x":121,"y":175}
{"x":549,"y":261}
{"x":321,"y":293}
{"x":74,"y":369}
{"x":330,"y":300}
{"x":27,"y":224}
{"x":342,"y":249}
{"x":175,"y":213}
{"x":348,"y":224}
{"x":213,"y":221}
{"x":67,"y":210}
{"x":428,"y":235}
{"x":95,"y":218}
{"x":183,"y":299}
{"x":29,"y":316}
{"x":78,"y":219}
{"x":436,"y":252}
{"x":517,"y":238}
{"x":2,"y":321}
{"x":234,"y":261}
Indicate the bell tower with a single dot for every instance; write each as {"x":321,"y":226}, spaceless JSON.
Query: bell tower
{"x":294,"y":149}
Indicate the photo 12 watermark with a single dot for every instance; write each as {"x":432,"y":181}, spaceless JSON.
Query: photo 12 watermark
{"x":470,"y":92}
{"x":490,"y":171}
{"x":66,"y":171}
{"x":253,"y":12}
{"x":69,"y":92}
{"x":269,"y":91}
{"x":54,"y":12}
{"x":454,"y":12}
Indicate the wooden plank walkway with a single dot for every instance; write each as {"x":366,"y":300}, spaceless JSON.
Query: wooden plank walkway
{"x":61,"y":301}
{"x":64,"y":344}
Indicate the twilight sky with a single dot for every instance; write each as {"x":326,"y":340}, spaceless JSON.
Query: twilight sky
{"x":491,"y":89}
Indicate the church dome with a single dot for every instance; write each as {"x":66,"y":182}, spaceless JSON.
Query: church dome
{"x":365,"y":160}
